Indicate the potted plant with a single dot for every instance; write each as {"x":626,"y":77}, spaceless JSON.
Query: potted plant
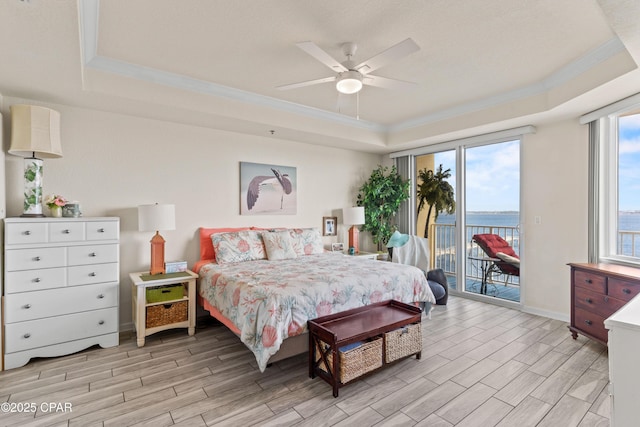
{"x":381,"y":197}
{"x":435,"y":191}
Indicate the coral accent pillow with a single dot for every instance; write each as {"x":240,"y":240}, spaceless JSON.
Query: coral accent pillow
{"x":206,"y":246}
{"x":238,"y":246}
{"x":306,"y":241}
{"x":278,"y":245}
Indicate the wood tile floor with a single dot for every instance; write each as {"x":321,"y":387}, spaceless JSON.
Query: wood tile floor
{"x":481,"y":365}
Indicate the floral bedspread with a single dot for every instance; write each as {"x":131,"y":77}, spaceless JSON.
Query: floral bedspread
{"x":269,"y":301}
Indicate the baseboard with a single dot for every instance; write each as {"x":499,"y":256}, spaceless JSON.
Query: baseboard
{"x":546,"y":313}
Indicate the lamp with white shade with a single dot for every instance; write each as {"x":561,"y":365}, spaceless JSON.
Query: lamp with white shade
{"x":34,"y":131}
{"x":354,"y":216}
{"x":157,"y":218}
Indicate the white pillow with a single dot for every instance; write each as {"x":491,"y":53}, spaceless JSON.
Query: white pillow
{"x":278,"y":245}
{"x":508,"y":258}
{"x":306,"y":241}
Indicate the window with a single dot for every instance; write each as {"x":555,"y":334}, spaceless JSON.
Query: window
{"x":618,"y":187}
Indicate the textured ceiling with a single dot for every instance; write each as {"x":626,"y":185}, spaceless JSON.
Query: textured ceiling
{"x":482,"y":65}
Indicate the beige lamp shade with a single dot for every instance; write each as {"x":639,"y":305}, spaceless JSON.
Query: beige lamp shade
{"x":156,"y":217}
{"x":35,"y":130}
{"x":353,"y":216}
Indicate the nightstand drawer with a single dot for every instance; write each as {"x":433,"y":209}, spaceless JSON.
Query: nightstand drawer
{"x":96,"y":273}
{"x":103,"y":230}
{"x":35,"y":280}
{"x":66,"y":232}
{"x":54,"y":330}
{"x":92,"y":254}
{"x":32,"y":259}
{"x":25,"y":233}
{"x":56,"y":302}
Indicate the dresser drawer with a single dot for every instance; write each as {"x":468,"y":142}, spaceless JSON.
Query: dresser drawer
{"x":590,"y":323}
{"x":622,"y":289}
{"x":32,"y":259}
{"x":56,"y":302}
{"x":588,"y":280}
{"x":595,"y":302}
{"x":92,"y":254}
{"x":66,"y":231}
{"x":54,"y":330}
{"x":35,"y":280}
{"x":103,"y":230}
{"x":89,"y":274}
{"x":25,"y":233}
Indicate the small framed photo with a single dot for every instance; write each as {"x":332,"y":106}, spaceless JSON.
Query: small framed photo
{"x":329,"y":225}
{"x":337,"y":247}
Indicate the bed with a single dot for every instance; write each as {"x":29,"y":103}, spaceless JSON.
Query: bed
{"x":265,"y":284}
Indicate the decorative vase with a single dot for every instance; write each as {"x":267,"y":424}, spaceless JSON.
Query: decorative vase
{"x":56,"y":211}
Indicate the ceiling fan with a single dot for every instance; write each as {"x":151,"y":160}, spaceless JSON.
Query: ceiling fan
{"x":350,"y":77}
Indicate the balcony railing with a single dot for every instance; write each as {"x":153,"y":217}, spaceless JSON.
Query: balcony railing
{"x":629,"y":243}
{"x":443,"y":249}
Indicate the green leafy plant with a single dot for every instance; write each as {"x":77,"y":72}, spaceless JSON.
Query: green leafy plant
{"x":435,"y":191}
{"x":381,"y":197}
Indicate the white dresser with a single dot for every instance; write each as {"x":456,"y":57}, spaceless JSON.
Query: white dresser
{"x":61,"y":284}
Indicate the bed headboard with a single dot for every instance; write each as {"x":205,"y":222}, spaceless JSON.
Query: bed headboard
{"x":206,"y":245}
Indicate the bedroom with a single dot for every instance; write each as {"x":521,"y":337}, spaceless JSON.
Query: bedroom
{"x":118,"y":155}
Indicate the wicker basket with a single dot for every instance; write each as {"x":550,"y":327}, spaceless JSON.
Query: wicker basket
{"x":165,"y":314}
{"x":356,"y":361}
{"x":402,"y":342}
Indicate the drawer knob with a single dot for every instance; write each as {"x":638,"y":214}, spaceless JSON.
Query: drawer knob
{"x":26,"y":306}
{"x":67,"y":231}
{"x":27,"y":233}
{"x":27,"y":335}
{"x":626,"y":291}
{"x":588,"y":280}
{"x":588,"y":322}
{"x":92,"y":274}
{"x":101,"y":322}
{"x":100,"y":230}
{"x":36,"y":258}
{"x":100,"y":296}
{"x":589,"y":300}
{"x":37,"y":280}
{"x":92,"y":254}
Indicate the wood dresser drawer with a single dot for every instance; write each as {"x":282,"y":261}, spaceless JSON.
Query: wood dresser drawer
{"x":597,"y":303}
{"x":591,"y":281}
{"x":25,"y":233}
{"x":34,"y":259}
{"x":89,"y":274}
{"x":103,"y":230}
{"x":52,"y":330}
{"x":55,"y":302}
{"x":66,"y":232}
{"x":623,"y":289}
{"x":590,"y":323}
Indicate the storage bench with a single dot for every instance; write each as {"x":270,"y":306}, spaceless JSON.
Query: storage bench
{"x":344,"y":346}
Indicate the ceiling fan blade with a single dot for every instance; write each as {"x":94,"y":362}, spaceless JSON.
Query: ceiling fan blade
{"x":312,"y":49}
{"x":307,"y":83}
{"x":387,"y":83}
{"x":394,"y":53}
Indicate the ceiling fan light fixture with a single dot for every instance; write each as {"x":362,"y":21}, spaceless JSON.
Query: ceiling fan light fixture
{"x":349,"y":82}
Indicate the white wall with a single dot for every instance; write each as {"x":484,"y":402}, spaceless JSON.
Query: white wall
{"x":112,"y":163}
{"x":554,"y":187}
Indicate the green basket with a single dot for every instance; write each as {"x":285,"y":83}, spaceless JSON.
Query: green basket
{"x":165,"y":293}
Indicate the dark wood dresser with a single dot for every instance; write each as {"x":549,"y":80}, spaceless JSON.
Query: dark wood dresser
{"x":598,"y":291}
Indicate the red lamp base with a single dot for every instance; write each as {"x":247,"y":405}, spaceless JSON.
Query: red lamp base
{"x":354,"y":238}
{"x":157,"y":254}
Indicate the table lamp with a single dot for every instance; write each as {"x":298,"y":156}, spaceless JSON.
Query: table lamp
{"x":34,"y":131}
{"x":354,"y":216}
{"x":155,"y":218}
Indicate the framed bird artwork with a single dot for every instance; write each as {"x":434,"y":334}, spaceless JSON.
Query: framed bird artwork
{"x":267,"y":189}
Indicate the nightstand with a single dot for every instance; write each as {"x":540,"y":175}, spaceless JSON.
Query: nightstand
{"x":364,"y":255}
{"x":179,"y":311}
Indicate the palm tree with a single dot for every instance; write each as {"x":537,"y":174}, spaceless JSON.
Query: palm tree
{"x":435,"y":191}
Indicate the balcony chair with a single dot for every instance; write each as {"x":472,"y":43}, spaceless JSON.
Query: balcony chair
{"x":500,"y":258}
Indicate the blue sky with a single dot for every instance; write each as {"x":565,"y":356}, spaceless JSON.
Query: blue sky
{"x":629,"y":163}
{"x":493,"y":176}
